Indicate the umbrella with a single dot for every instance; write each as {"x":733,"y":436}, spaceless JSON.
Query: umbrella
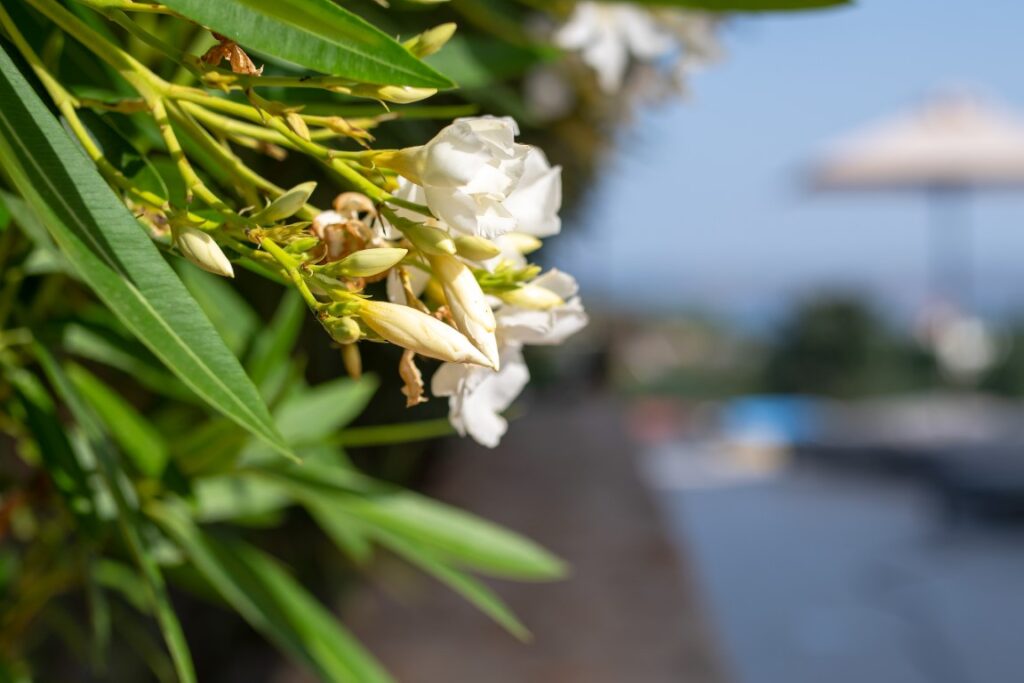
{"x":946,"y":148}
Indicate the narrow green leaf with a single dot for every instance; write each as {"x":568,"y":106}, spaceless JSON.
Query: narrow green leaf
{"x":96,"y":449}
{"x":233,"y":318}
{"x":114,"y":256}
{"x":5,"y":214}
{"x":481,"y":60}
{"x":317,"y":34}
{"x":32,"y":228}
{"x":456,"y":535}
{"x":122,"y":155}
{"x":346,"y":535}
{"x":274,"y":343}
{"x":138,"y":439}
{"x":266,"y":596}
{"x":131,"y":358}
{"x":309,"y":416}
{"x":472,"y":590}
{"x":449,"y":533}
{"x":59,"y":461}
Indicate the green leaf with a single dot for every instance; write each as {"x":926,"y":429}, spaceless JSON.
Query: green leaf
{"x":274,"y":343}
{"x":470,"y":589}
{"x":122,"y":155}
{"x":60,"y":462}
{"x":233,"y":318}
{"x":316,"y":34}
{"x":455,"y":535}
{"x":266,"y":596}
{"x":5,"y":214}
{"x":449,"y":533}
{"x":237,"y":499}
{"x":479,"y":61}
{"x":108,"y":348}
{"x":345,"y":534}
{"x":309,"y":416}
{"x":139,"y":440}
{"x":116,"y":259}
{"x":747,"y":5}
{"x":95,"y":448}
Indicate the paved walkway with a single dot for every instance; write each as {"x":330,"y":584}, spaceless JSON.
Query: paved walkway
{"x":564,"y":476}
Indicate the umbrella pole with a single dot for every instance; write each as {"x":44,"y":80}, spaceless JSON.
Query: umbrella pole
{"x":950,"y":253}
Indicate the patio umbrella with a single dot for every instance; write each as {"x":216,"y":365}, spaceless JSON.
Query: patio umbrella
{"x":945,"y":149}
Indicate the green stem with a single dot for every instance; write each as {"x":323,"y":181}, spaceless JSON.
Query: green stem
{"x":291,"y":268}
{"x":380,"y":435}
{"x":193,"y":183}
{"x":144,"y":81}
{"x":67,"y":104}
{"x":129,"y":6}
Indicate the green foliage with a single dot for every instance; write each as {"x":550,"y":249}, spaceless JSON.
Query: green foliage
{"x":118,"y":261}
{"x":317,"y":34}
{"x":146,"y":404}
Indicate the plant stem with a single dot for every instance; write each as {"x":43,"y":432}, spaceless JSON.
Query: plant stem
{"x":291,"y":268}
{"x":378,"y":435}
{"x":129,"y":6}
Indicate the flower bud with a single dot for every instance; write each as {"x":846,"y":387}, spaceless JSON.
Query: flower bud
{"x":476,"y":248}
{"x":431,"y":40}
{"x":352,"y":359}
{"x":297,"y":124}
{"x":419,"y":332}
{"x":343,"y":330}
{"x":201,"y":249}
{"x":368,"y":262}
{"x":406,"y":162}
{"x":302,"y":244}
{"x":286,"y":205}
{"x":400,"y":94}
{"x":467,"y":303}
{"x":428,"y":239}
{"x":532,"y":296}
{"x":521,"y":242}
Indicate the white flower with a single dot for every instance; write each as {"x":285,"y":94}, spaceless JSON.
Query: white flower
{"x":606,"y":34}
{"x":201,"y":249}
{"x":478,"y":396}
{"x":467,"y":304}
{"x":537,"y":197}
{"x":468,"y":170}
{"x":418,"y":279}
{"x":419,"y":332}
{"x":547,"y":326}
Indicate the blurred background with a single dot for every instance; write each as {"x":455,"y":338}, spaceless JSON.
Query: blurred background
{"x":789,"y":447}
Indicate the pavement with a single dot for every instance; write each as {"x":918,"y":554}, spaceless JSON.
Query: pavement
{"x":566,"y":476}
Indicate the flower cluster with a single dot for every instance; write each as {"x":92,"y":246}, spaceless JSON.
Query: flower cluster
{"x":470,"y":205}
{"x":607,"y":35}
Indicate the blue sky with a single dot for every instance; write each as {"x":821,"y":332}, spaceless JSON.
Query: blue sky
{"x":702,"y":204}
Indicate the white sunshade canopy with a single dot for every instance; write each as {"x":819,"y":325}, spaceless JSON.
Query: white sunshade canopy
{"x":952,"y":141}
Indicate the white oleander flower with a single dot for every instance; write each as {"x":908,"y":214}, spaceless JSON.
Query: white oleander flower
{"x":607,"y":34}
{"x":469,"y":169}
{"x":467,"y":304}
{"x":418,"y":279}
{"x":478,"y":396}
{"x":533,"y":205}
{"x":535,"y":201}
{"x":419,"y":332}
{"x":200,"y":248}
{"x":546,"y":326}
